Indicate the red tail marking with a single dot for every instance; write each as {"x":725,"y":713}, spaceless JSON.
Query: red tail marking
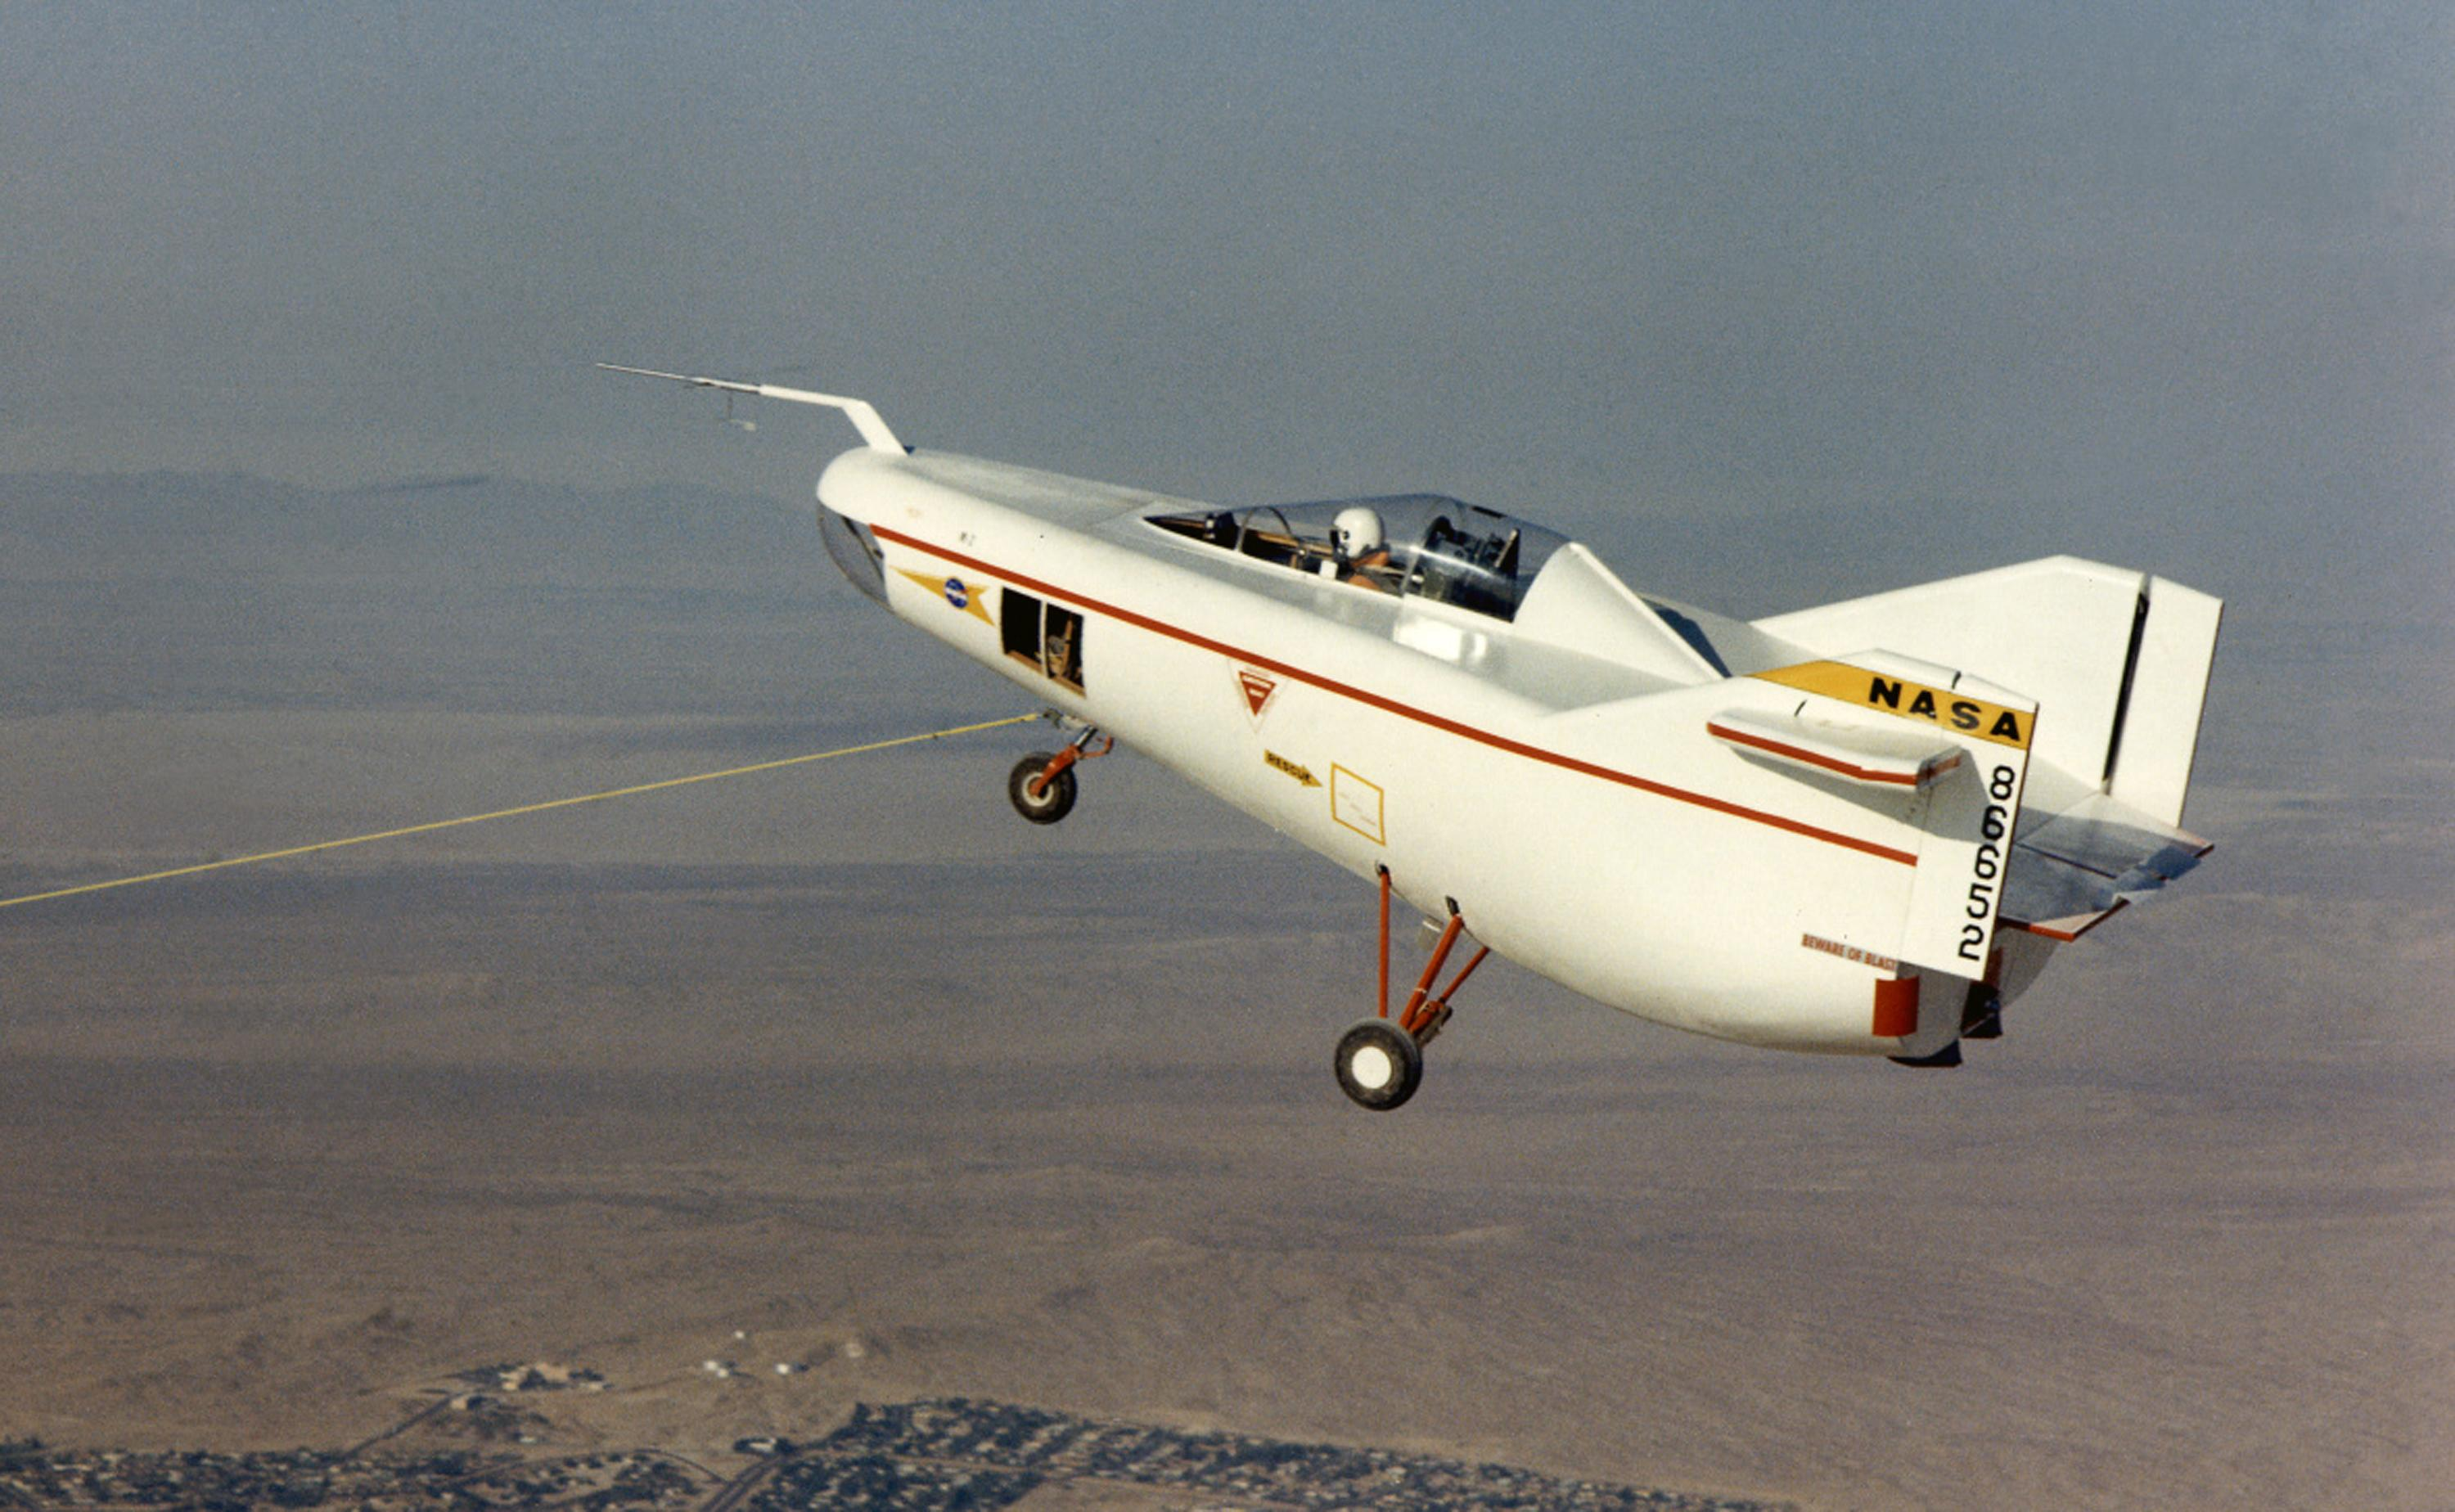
{"x":1896,"y":1008}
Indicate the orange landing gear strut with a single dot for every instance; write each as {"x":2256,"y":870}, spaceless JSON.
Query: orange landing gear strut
{"x":1380,"y":1061}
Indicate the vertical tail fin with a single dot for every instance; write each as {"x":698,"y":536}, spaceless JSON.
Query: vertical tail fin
{"x":2117,"y":660}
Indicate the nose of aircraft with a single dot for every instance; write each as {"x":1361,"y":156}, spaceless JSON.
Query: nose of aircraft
{"x":855,"y":552}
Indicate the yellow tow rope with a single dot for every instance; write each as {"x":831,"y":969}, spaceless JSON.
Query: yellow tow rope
{"x":525,"y":808}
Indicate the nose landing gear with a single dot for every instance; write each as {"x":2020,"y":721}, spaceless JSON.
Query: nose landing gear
{"x":1042,"y":785}
{"x":1380,"y":1061}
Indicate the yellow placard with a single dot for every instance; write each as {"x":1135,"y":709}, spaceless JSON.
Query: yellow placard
{"x":1955,"y":712}
{"x":1358,"y":805}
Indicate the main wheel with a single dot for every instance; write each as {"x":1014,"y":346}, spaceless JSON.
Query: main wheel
{"x":1054,"y":801}
{"x":1379,"y":1064}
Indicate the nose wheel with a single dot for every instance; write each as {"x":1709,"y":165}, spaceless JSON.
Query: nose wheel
{"x":1041,"y":786}
{"x":1038,"y":794}
{"x":1380,"y":1061}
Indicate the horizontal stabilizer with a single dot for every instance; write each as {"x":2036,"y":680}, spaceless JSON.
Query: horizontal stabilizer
{"x":2101,"y":835}
{"x":2072,"y":871}
{"x":2055,"y":899}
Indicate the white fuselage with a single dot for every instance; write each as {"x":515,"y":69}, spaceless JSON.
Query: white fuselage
{"x":1576,"y":809}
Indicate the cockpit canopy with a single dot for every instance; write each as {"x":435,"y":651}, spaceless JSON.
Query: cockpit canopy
{"x":1431,"y":547}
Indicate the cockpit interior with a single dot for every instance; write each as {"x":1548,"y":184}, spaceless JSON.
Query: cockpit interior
{"x":1423,"y":546}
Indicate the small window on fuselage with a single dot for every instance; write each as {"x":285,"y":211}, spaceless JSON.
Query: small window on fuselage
{"x":1019,"y":626}
{"x":1045,"y":637}
{"x":1060,"y":645}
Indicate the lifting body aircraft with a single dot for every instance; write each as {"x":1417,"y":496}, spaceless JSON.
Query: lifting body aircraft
{"x":1856,"y":829}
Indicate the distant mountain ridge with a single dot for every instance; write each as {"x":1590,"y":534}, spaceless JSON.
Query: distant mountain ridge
{"x":184,"y":591}
{"x":67,"y":526}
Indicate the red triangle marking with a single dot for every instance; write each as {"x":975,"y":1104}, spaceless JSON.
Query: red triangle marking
{"x":1257,"y":689}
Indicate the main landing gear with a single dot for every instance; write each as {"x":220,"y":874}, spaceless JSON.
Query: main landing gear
{"x":1380,"y":1061}
{"x":1041,"y":784}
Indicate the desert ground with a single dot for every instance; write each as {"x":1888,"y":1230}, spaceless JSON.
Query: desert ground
{"x":847,"y":1068}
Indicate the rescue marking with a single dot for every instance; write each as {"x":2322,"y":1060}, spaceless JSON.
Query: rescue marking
{"x":1851,"y":953}
{"x":1422,"y":716}
{"x":1940,"y":707}
{"x":1302,"y":773}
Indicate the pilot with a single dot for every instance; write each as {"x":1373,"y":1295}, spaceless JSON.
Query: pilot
{"x":1363,"y":551}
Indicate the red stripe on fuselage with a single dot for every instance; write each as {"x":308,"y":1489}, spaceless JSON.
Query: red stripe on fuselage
{"x":1386,"y":705}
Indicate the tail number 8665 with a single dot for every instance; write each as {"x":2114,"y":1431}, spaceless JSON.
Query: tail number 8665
{"x":1986,"y":867}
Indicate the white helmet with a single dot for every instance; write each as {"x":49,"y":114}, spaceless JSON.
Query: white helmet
{"x":1355,"y":531}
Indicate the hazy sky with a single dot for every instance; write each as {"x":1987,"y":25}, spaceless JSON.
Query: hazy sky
{"x":2080,"y":265}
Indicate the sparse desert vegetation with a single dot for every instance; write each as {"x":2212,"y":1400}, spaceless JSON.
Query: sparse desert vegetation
{"x":847,"y":1071}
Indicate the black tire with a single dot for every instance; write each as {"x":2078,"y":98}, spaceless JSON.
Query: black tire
{"x":1055,"y":801}
{"x":1379,"y":1064}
